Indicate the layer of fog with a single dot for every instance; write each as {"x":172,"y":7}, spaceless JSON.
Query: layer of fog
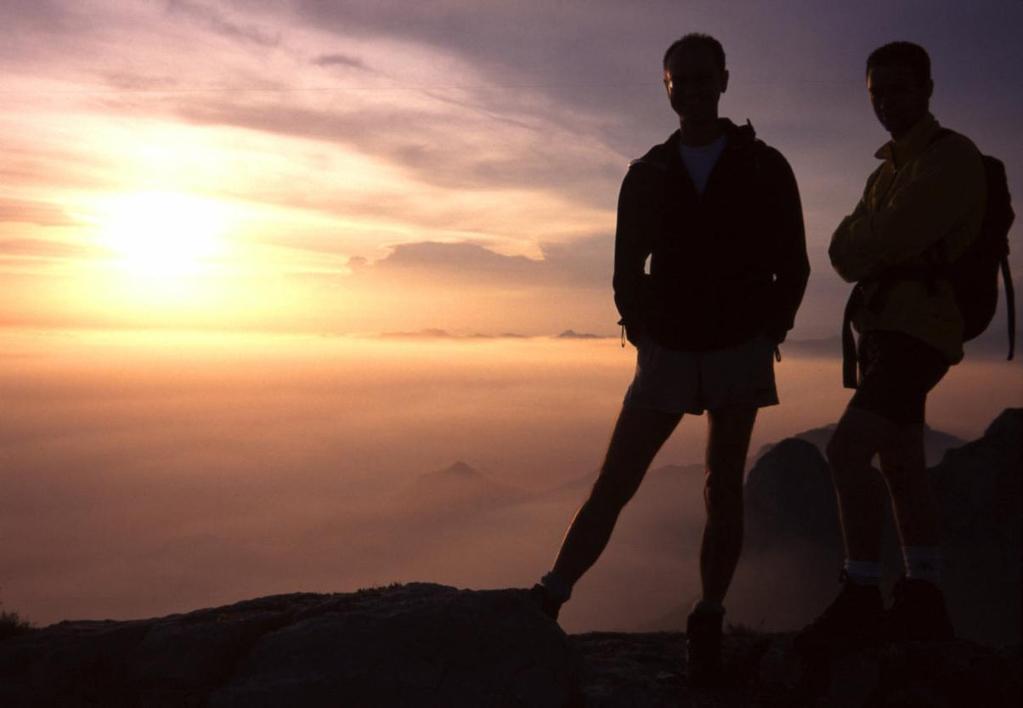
{"x":148,"y":474}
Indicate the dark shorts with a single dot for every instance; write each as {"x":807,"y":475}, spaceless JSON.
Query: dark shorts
{"x":692,"y":382}
{"x":897,"y":371}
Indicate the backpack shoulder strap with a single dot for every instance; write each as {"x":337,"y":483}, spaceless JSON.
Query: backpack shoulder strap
{"x":1010,"y":305}
{"x":998,"y":218}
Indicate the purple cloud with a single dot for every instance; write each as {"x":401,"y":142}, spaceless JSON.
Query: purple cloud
{"x":583,"y":263}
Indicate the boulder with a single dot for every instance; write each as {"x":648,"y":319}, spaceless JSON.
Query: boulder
{"x":416,"y":644}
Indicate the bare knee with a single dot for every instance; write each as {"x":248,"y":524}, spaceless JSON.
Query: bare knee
{"x":610,"y":494}
{"x":849,"y":455}
{"x":860,"y":435}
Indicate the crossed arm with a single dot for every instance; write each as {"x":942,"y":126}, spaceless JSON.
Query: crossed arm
{"x":946,"y":184}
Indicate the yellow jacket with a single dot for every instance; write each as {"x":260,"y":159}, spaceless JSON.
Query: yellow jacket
{"x":923,"y":205}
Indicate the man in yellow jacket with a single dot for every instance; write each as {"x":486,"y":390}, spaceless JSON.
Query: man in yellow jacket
{"x":921,"y":208}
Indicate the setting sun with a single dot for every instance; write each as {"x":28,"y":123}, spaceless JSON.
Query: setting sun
{"x":163,"y":234}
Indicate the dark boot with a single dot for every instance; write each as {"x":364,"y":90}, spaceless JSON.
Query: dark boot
{"x":703,"y":646}
{"x":853,"y":619}
{"x":918,"y":613}
{"x":545,"y":601}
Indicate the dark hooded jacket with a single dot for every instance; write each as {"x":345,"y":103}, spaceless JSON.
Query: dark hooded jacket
{"x":725,"y":266}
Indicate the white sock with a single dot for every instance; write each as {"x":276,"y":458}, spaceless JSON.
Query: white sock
{"x":923,"y":563}
{"x":558,"y":588}
{"x":863,"y":572}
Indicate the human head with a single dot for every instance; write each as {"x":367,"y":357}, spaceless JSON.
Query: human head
{"x":697,"y":39}
{"x":695,"y":76}
{"x":900,"y":86}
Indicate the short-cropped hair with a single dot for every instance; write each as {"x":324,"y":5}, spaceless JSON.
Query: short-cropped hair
{"x":907,"y":54}
{"x":697,"y":39}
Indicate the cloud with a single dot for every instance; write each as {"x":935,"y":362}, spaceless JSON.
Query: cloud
{"x":48,"y":15}
{"x":133,"y":81}
{"x":453,"y":100}
{"x":32,"y":212}
{"x":437,"y":140}
{"x":47,"y":167}
{"x":465,"y":259}
{"x":583,"y":263}
{"x":42,"y":248}
{"x":340,"y":60}
{"x":218,"y":22}
{"x":587,"y":64}
{"x":435,"y":333}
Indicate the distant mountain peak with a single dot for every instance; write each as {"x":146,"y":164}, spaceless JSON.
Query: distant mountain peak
{"x":458,"y":469}
{"x":572,"y":334}
{"x":458,"y":487}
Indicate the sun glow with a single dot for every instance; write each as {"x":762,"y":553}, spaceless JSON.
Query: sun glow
{"x":163,"y":234}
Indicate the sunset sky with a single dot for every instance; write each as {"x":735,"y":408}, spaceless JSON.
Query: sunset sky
{"x":209,"y":211}
{"x":375,"y":166}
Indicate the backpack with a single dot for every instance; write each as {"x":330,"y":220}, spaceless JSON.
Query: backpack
{"x":973,"y":275}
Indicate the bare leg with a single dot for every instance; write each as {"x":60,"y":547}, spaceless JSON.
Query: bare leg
{"x":727,"y":444}
{"x":859,"y":436}
{"x":857,"y":614}
{"x":919,"y":611}
{"x":637,"y":437}
{"x":905,"y":470}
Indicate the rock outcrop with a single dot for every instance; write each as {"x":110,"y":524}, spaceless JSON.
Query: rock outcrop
{"x":791,"y":510}
{"x":410,"y":645}
{"x":789,"y":496}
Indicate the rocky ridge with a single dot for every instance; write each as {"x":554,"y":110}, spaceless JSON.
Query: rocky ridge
{"x":430,"y":645}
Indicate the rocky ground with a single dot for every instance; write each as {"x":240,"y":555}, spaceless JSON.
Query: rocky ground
{"x":430,"y":645}
{"x":761,"y":670}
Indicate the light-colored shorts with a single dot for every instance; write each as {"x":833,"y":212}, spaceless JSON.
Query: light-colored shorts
{"x":692,"y":382}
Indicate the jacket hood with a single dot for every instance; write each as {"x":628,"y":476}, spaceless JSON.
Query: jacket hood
{"x":666,"y":154}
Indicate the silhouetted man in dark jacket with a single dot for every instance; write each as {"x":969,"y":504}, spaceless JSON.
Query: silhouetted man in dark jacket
{"x":717,"y":214}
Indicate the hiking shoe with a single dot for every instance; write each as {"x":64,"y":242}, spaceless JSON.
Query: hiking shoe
{"x":918,"y":613}
{"x":703,"y":646}
{"x":545,"y":601}
{"x":853,"y":619}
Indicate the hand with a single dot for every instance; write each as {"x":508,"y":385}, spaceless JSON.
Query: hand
{"x":635,"y":333}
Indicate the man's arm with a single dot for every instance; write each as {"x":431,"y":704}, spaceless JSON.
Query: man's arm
{"x":946,"y":184}
{"x":633,"y":238}
{"x":791,"y":266}
{"x":836,"y":251}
